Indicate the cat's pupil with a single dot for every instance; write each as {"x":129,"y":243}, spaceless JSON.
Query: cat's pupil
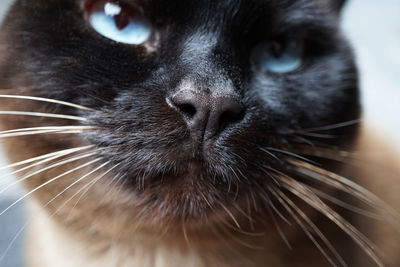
{"x":122,"y":14}
{"x":276,"y":49}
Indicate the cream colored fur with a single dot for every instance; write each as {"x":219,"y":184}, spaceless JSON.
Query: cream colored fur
{"x":51,"y":245}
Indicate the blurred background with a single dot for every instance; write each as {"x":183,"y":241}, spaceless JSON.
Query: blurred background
{"x":373,"y":27}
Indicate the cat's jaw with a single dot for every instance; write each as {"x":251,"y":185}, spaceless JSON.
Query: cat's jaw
{"x":51,"y":244}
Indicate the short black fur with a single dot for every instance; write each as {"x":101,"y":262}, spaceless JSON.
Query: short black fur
{"x":208,"y":45}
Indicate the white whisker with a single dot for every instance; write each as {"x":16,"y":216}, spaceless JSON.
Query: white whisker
{"x":85,"y":189}
{"x":10,"y":245}
{"x":231,"y":247}
{"x":82,"y":156}
{"x":230,"y":215}
{"x":283,"y":199}
{"x":271,"y":204}
{"x":345,"y":205}
{"x":39,"y":163}
{"x":76,"y":182}
{"x":291,"y":154}
{"x":29,"y":133}
{"x":26,"y":224}
{"x":41,"y":99}
{"x":46,"y":115}
{"x":308,"y":197}
{"x":279,"y":229}
{"x":48,"y":182}
{"x":333,"y":126}
{"x":348,"y":186}
{"x":62,"y":152}
{"x":48,"y":128}
{"x":239,"y":241}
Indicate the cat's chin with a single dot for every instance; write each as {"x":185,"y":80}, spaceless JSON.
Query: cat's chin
{"x":191,"y":171}
{"x":194,"y":198}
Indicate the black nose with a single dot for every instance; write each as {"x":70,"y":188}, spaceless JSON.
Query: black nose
{"x":207,"y":115}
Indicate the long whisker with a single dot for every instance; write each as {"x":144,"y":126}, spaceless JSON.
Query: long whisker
{"x":48,"y":182}
{"x":362,"y":160}
{"x":326,"y":153}
{"x":265,"y":150}
{"x":322,"y":128}
{"x":336,"y":181}
{"x":344,"y":204}
{"x":291,"y":154}
{"x":81,"y":156}
{"x":233,"y":228}
{"x":29,"y":167}
{"x":348,"y":186}
{"x":227,"y":223}
{"x":231,"y":248}
{"x":26,"y":224}
{"x":230,"y":214}
{"x":304,"y":228}
{"x":76,"y":182}
{"x":278,"y":228}
{"x":317,"y":135}
{"x":48,"y":128}
{"x":59,"y":131}
{"x":243,"y":232}
{"x":117,"y":189}
{"x":39,"y":132}
{"x":282,"y":198}
{"x":271,"y":204}
{"x":311,"y":199}
{"x":49,"y":155}
{"x":85,"y":189}
{"x":246,"y":215}
{"x":45,"y":115}
{"x":48,"y":100}
{"x":10,"y":245}
{"x":333,"y":126}
{"x":239,"y":241}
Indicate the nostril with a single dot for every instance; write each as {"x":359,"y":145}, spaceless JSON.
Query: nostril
{"x":207,"y":115}
{"x":187,"y":109}
{"x":230,"y":116}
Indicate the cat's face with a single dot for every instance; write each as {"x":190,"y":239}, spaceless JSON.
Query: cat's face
{"x":195,"y":116}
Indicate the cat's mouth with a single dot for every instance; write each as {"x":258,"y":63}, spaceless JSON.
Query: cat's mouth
{"x":189,"y":172}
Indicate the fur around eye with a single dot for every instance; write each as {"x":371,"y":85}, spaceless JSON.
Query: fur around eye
{"x":118,"y":22}
{"x":278,"y":56}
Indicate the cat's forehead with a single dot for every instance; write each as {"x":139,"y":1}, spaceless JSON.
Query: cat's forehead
{"x":291,"y":11}
{"x":236,"y":3}
{"x":285,"y":6}
{"x":237,"y":16}
{"x":243,"y":15}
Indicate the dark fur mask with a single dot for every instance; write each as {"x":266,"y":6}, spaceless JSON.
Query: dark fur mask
{"x":168,"y":171}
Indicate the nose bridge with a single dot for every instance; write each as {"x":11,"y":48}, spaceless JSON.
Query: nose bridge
{"x":199,"y":63}
{"x":199,"y":46}
{"x":205,"y":96}
{"x":211,"y":85}
{"x":198,"y":58}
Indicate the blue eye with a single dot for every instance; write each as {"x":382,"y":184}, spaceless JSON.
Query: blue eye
{"x":118,"y":22}
{"x":278,"y":56}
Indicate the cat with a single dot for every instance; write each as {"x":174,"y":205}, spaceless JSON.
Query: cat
{"x":192,"y":133}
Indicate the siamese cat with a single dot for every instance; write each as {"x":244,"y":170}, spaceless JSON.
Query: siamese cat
{"x":193,"y":133}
